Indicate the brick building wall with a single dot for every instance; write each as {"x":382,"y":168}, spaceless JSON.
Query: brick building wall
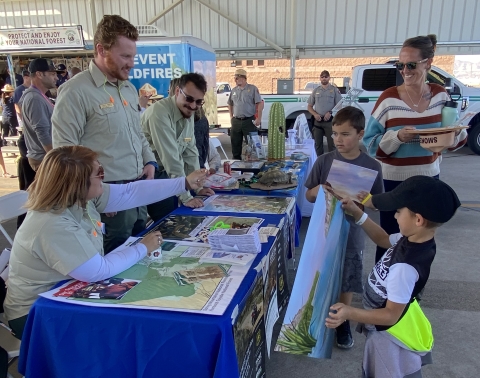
{"x":262,"y":72}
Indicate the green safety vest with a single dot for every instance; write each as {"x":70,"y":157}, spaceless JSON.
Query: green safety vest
{"x":413,"y":329}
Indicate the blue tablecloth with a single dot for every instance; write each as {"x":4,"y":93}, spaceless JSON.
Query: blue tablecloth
{"x":67,"y":340}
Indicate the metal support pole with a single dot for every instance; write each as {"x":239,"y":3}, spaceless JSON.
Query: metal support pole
{"x":93,"y":16}
{"x":293,"y":37}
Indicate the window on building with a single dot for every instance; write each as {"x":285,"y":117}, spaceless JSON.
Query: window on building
{"x":249,"y":63}
{"x":238,"y":63}
{"x":261,"y":63}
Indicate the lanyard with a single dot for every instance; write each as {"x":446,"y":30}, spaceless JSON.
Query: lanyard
{"x":43,"y":94}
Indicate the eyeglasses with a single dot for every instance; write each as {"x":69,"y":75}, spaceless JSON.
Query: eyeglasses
{"x":101,"y":173}
{"x":191,"y":99}
{"x":324,"y":77}
{"x":409,"y":65}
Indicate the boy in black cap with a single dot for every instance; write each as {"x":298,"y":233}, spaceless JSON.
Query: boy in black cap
{"x":399,"y":336}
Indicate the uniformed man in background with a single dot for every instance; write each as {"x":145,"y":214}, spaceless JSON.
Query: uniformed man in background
{"x":320,"y":104}
{"x":244,"y":102}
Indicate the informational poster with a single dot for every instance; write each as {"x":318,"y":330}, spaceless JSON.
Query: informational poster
{"x":249,"y":332}
{"x":50,"y":38}
{"x":177,"y":281}
{"x":317,"y":283}
{"x":248,"y":204}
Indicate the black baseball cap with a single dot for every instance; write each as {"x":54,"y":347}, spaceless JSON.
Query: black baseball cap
{"x":42,"y":65}
{"x":431,"y":198}
{"x":62,"y":67}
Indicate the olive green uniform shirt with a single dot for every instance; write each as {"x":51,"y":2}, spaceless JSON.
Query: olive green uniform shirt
{"x":49,"y":246}
{"x":172,"y":139}
{"x":85,"y":115}
{"x":324,"y":100}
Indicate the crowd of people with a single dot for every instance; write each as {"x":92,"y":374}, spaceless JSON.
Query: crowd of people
{"x":101,"y":158}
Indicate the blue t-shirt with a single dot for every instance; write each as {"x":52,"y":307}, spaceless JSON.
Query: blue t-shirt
{"x":18,"y":80}
{"x":18,"y":93}
{"x":8,"y":108}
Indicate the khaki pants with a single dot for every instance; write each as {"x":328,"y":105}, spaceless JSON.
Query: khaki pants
{"x":35,"y":164}
{"x":320,"y":130}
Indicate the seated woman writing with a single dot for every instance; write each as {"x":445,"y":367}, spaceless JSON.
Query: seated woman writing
{"x":61,"y":237}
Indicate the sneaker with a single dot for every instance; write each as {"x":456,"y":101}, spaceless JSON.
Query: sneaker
{"x":344,"y":336}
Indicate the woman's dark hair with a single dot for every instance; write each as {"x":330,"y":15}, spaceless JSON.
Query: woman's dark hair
{"x":197,"y":79}
{"x":425,"y":43}
{"x":350,"y":114}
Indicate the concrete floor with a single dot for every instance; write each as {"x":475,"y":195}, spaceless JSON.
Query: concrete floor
{"x":452,"y":295}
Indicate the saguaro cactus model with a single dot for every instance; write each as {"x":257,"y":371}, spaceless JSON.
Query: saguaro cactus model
{"x":276,"y":132}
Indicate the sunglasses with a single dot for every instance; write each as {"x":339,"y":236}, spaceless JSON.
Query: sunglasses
{"x":191,"y":99}
{"x":409,"y":65}
{"x":101,"y":173}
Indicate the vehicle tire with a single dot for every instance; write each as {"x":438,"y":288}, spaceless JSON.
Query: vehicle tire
{"x":474,"y":139}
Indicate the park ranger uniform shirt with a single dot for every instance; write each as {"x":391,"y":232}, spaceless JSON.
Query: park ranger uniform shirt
{"x":105,"y":117}
{"x":244,"y":100}
{"x":172,"y":139}
{"x":323,"y":99}
{"x":63,"y":241}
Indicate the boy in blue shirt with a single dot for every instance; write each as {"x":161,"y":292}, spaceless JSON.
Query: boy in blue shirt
{"x":347,"y":131}
{"x":399,"y":336}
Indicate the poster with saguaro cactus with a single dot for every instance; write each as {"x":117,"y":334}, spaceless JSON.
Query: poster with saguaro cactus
{"x":276,"y":132}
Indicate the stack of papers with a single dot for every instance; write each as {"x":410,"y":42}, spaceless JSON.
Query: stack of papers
{"x":232,"y":258}
{"x":235,"y":240}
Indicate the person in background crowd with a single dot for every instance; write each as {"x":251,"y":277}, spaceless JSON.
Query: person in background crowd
{"x":18,"y":94}
{"x":62,"y":75}
{"x":18,"y":79}
{"x":37,"y":111}
{"x":9,"y":115}
{"x":243,"y":103}
{"x":61,"y":237}
{"x":4,"y":172}
{"x":400,"y":109}
{"x":74,"y":71}
{"x":201,"y":130}
{"x":214,"y":159}
{"x":320,"y":104}
{"x":169,"y":127}
{"x":99,"y":109}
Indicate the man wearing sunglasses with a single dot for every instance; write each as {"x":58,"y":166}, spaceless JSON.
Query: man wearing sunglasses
{"x":242,"y":104}
{"x":320,"y":104}
{"x":168,"y":126}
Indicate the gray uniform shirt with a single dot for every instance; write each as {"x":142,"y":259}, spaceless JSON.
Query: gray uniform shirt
{"x":244,"y":100}
{"x":324,"y":100}
{"x":49,"y":246}
{"x":37,"y":127}
{"x":319,"y":174}
{"x":104,"y":116}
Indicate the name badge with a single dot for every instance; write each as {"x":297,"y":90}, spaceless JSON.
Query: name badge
{"x":107,"y":105}
{"x":187,"y":139}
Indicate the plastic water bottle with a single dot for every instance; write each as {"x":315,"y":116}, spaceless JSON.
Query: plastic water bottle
{"x":449,"y":113}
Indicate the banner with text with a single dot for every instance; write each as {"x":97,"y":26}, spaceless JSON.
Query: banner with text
{"x":52,"y":38}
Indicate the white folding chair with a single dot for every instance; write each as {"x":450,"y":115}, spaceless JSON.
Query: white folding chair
{"x":217,"y":143}
{"x":11,"y":206}
{"x":11,"y":344}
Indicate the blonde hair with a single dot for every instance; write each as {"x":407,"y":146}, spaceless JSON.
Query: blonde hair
{"x":62,"y":180}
